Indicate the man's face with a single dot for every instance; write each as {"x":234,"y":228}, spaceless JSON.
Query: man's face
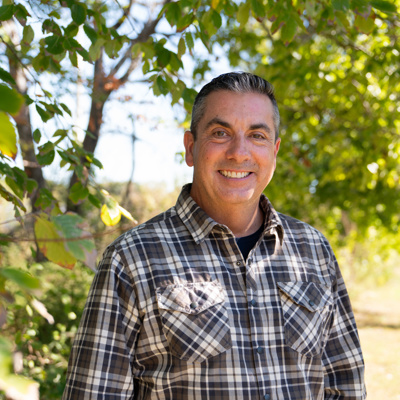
{"x":234,"y":154}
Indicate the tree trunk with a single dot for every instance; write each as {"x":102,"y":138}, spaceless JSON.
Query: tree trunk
{"x":23,"y":120}
{"x":99,"y":97}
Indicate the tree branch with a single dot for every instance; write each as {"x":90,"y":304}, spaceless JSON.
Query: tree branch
{"x":148,"y":29}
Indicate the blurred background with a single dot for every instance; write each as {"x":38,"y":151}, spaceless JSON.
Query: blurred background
{"x":94,"y":100}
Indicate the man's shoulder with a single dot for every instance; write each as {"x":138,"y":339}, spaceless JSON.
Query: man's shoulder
{"x":156,"y":226}
{"x":295,"y":228}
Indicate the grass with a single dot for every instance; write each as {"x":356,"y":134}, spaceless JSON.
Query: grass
{"x":377,"y":312}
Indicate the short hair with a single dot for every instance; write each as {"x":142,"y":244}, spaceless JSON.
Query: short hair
{"x":238,"y":82}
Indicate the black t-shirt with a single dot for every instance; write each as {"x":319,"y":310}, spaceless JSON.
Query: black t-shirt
{"x":246,"y":243}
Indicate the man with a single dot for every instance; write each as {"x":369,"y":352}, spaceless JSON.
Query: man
{"x":220,"y":297}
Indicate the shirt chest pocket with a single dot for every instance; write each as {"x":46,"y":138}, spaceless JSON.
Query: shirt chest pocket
{"x":194,"y":320}
{"x":307,"y":312}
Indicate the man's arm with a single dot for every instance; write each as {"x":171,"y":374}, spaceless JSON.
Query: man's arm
{"x":342,"y":358}
{"x":99,"y":365}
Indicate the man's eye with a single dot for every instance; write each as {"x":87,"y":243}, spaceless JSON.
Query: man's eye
{"x":220,"y":133}
{"x":258,"y":136}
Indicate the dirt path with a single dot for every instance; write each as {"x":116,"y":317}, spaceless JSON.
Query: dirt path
{"x":378,"y":318}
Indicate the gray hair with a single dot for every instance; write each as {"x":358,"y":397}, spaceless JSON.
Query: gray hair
{"x":239,"y":82}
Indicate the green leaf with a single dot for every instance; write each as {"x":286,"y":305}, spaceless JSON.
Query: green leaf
{"x":12,"y":199}
{"x":385,"y":6}
{"x":52,"y":244}
{"x":41,"y":62}
{"x":21,"y":13}
{"x":177,"y":91}
{"x":18,"y":189}
{"x":342,"y":18}
{"x":73,"y":58}
{"x":10,"y":100}
{"x":95,"y":49}
{"x":22,"y":279}
{"x":184,"y":22}
{"x":181,"y":47}
{"x":46,"y":159}
{"x":28,"y":34}
{"x":54,"y":44}
{"x":55,"y":14}
{"x":258,"y":8}
{"x":71,"y":30}
{"x":66,"y":109}
{"x":189,"y":40}
{"x":37,"y":135}
{"x":60,"y":133}
{"x":173,"y":13}
{"x":78,"y":192}
{"x":6,"y":76}
{"x":288,"y":31}
{"x":51,"y":26}
{"x":45,"y":199}
{"x":78,"y":13}
{"x":243,"y":13}
{"x":8,"y":137}
{"x":30,"y":185}
{"x":217,"y":20}
{"x":175,"y":63}
{"x":188,"y":96}
{"x":96,"y":162}
{"x":90,"y":33}
{"x":163,"y":56}
{"x":46,"y":154}
{"x":69,"y":226}
{"x":162,"y":85}
{"x":6,"y":12}
{"x":364,"y":25}
{"x":341,"y":5}
{"x":44,"y":115}
{"x":94,"y":200}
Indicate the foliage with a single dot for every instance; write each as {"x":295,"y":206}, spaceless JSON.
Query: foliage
{"x":334,"y":66}
{"x":339,"y":161}
{"x":45,"y":344}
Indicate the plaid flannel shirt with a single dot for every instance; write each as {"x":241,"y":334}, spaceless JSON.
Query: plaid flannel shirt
{"x":175,"y":312}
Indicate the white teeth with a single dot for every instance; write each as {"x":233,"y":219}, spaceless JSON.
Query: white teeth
{"x":232,"y":174}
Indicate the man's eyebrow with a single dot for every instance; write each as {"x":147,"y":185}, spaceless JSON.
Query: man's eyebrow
{"x":254,"y":127}
{"x":218,"y":121}
{"x":261,"y":126}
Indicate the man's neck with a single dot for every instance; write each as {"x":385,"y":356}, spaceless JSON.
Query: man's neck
{"x":241,"y":221}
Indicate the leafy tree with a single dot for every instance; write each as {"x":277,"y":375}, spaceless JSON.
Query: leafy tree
{"x":337,"y":82}
{"x":333,"y":63}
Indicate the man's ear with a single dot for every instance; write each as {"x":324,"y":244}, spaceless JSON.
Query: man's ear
{"x":188,"y":141}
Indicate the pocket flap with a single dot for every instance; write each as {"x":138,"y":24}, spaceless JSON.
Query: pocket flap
{"x":190,"y":298}
{"x":310,"y":295}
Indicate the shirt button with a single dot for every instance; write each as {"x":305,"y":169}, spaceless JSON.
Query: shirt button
{"x":253,"y":303}
{"x":260,"y":350}
{"x":238,"y":263}
{"x":249,"y":261}
{"x":193,"y":305}
{"x":267,"y":397}
{"x":311,"y":303}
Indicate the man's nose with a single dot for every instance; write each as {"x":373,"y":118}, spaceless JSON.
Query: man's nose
{"x":238,"y":149}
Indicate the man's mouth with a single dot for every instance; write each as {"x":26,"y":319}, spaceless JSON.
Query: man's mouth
{"x":233,"y":174}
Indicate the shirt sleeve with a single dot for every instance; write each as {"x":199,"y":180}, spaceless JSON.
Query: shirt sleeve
{"x":342,"y":358}
{"x":99,"y":365}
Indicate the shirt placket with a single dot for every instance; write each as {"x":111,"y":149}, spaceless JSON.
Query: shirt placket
{"x":254,"y":317}
{"x":260,"y":352}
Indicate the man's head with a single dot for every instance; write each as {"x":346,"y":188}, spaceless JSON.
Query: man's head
{"x":235,"y":148}
{"x":237,"y":82}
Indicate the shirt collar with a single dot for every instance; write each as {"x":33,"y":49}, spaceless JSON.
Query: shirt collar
{"x":200,"y":224}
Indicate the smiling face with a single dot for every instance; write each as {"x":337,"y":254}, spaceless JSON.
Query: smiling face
{"x":234,"y":154}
